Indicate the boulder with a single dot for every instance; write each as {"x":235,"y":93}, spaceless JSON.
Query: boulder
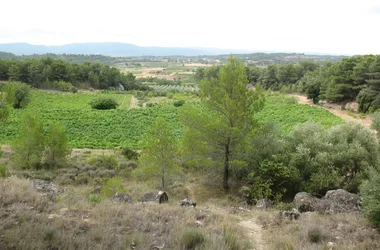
{"x":123,"y":198}
{"x":305,"y":202}
{"x":188,"y":203}
{"x":46,"y":188}
{"x":341,"y":201}
{"x":352,"y":106}
{"x":159,"y":197}
{"x":293,"y":214}
{"x":264,"y":204}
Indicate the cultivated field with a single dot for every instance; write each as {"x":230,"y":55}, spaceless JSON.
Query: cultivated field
{"x":88,"y":128}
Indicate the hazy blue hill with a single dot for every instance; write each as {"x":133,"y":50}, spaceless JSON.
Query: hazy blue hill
{"x":106,"y":48}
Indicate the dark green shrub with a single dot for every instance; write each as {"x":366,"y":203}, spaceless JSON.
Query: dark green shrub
{"x":179,"y":103}
{"x":112,"y":186}
{"x":130,"y":154}
{"x":370,"y":191}
{"x":192,"y":238}
{"x":104,"y":161}
{"x":104,"y":103}
{"x":94,"y":198}
{"x":3,"y":171}
{"x":315,"y":235}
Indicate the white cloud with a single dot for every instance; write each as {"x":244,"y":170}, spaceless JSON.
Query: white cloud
{"x":327,"y":26}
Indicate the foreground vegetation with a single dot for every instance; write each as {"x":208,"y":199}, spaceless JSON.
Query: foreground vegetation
{"x":206,"y":145}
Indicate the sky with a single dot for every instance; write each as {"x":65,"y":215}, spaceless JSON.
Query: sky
{"x":322,"y":26}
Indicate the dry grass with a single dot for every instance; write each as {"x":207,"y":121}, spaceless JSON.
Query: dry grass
{"x":30,"y":221}
{"x":314,"y":231}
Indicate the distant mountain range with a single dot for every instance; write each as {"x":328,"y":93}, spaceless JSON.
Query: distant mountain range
{"x":111,"y":49}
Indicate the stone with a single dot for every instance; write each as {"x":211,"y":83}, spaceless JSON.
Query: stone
{"x":46,"y":188}
{"x":305,"y":202}
{"x":159,"y":197}
{"x":293,"y":214}
{"x":188,"y":203}
{"x":330,"y":245}
{"x":341,"y":201}
{"x":264,"y":204}
{"x":123,"y":198}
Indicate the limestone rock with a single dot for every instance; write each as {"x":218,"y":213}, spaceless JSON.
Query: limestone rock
{"x":264,"y":204}
{"x":341,"y":201}
{"x":305,"y":202}
{"x":46,"y":188}
{"x":294,"y":214}
{"x":159,"y":197}
{"x":123,"y":198}
{"x":188,"y":203}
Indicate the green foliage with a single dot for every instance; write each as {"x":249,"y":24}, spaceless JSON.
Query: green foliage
{"x":158,"y":158}
{"x":286,"y":115}
{"x":112,"y":186}
{"x":18,"y":94}
{"x":93,"y":198}
{"x":48,"y":73}
{"x":3,"y":171}
{"x":88,"y":128}
{"x":229,"y":114}
{"x":104,"y":161}
{"x":179,"y":103}
{"x":29,"y":148}
{"x":376,"y":122}
{"x":370,"y":192}
{"x":129,"y":153}
{"x":57,"y":149}
{"x":315,"y":235}
{"x":104,"y":103}
{"x":192,"y":238}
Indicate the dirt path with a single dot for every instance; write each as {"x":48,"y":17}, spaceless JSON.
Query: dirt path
{"x":366,"y":122}
{"x":133,"y":102}
{"x":254,"y":233}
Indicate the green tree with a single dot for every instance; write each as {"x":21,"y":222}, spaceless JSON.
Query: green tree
{"x":57,"y":149}
{"x":159,"y":154}
{"x":228,"y":116}
{"x":370,"y":192}
{"x":29,"y":148}
{"x":18,"y":94}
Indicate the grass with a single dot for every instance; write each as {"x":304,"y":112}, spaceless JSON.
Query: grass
{"x":32,"y":221}
{"x":313,"y":231}
{"x":287,"y":115}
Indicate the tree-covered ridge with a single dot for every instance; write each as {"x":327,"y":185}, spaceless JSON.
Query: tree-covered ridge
{"x":354,"y":78}
{"x":41,"y":73}
{"x":259,"y":59}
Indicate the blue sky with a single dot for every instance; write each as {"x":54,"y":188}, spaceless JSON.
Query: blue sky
{"x":324,"y":26}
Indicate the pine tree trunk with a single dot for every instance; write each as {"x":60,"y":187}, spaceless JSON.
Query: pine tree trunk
{"x":226,"y":165}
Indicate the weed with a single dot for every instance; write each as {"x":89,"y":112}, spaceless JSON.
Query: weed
{"x":192,"y":238}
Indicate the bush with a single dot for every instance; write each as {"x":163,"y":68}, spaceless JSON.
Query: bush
{"x":370,"y":191}
{"x":3,"y":171}
{"x":315,"y":235}
{"x":93,"y":198}
{"x":192,"y":238}
{"x":130,"y":154}
{"x":178,"y":103}
{"x":112,"y":186}
{"x":104,"y":161}
{"x":104,"y":103}
{"x":18,"y":94}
